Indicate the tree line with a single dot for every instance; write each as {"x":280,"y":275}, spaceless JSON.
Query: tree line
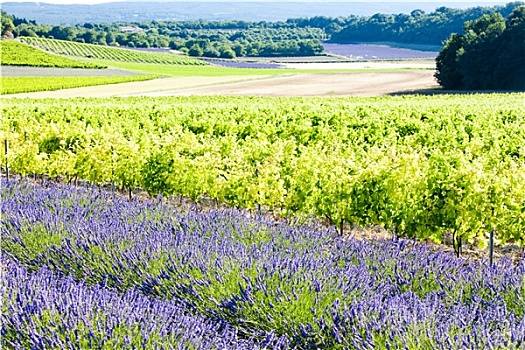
{"x":417,"y":27}
{"x":237,"y":38}
{"x":225,"y":39}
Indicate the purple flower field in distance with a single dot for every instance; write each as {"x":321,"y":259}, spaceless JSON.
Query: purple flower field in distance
{"x":372,"y":51}
{"x":232,"y":64}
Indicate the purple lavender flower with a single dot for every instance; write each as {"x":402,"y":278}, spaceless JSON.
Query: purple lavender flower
{"x":297,"y":285}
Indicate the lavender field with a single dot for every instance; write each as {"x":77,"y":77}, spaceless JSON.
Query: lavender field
{"x":372,"y":51}
{"x":236,"y":64}
{"x":85,"y":269}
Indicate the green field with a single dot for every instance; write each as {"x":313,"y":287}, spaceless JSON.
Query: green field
{"x":15,"y":53}
{"x":14,"y":85}
{"x":209,"y":70}
{"x":189,"y":70}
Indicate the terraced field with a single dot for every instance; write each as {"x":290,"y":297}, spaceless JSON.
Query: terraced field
{"x":15,"y":53}
{"x":74,"y":49}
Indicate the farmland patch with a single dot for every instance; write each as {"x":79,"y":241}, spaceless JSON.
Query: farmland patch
{"x":374,"y":51}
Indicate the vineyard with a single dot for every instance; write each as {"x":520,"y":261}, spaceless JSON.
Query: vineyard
{"x":398,"y":162}
{"x":75,"y":49}
{"x":85,"y":269}
{"x":18,"y":54}
{"x":194,"y":213}
{"x":14,"y":85}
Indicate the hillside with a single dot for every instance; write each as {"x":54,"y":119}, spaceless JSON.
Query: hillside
{"x":75,"y":49}
{"x":15,"y":53}
{"x":55,"y":14}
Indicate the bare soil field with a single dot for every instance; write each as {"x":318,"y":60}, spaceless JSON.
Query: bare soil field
{"x":336,"y":84}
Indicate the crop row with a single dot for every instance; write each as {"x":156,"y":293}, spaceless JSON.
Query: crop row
{"x":275,"y":283}
{"x":15,"y":53}
{"x":14,"y":85}
{"x":50,"y":311}
{"x":400,"y":163}
{"x":70,"y":48}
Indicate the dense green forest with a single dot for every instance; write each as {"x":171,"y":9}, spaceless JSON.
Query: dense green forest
{"x":225,"y":39}
{"x":490,"y":55}
{"x":293,"y":37}
{"x":417,"y":27}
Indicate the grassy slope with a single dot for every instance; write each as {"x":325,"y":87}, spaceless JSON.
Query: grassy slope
{"x":19,"y":54}
{"x":15,"y":53}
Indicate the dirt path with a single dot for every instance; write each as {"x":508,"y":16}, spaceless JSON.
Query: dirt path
{"x":336,"y":84}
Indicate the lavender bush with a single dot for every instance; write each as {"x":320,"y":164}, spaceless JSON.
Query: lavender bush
{"x":300,"y":282}
{"x":44,"y":311}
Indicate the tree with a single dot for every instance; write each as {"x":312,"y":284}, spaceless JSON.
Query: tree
{"x":110,"y":38}
{"x":480,"y":56}
{"x":7,"y":24}
{"x":226,"y":52}
{"x":162,"y":41}
{"x":63,"y":33}
{"x":25,"y":30}
{"x":417,"y":13}
{"x":511,"y":66}
{"x":448,"y":73}
{"x":196,"y":51}
{"x":310,"y":47}
{"x":210,"y":51}
{"x":89,"y":36}
{"x":488,"y":56}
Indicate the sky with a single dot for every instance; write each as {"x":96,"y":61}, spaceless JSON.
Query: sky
{"x":92,"y":2}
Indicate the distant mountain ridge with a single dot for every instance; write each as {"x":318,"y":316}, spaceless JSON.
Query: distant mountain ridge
{"x":131,"y":11}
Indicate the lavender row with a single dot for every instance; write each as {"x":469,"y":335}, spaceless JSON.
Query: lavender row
{"x":373,"y":51}
{"x":235,"y":64}
{"x":264,"y":277}
{"x":43,"y":310}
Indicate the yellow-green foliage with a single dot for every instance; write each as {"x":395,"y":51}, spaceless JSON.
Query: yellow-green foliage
{"x":14,"y":85}
{"x":15,"y":53}
{"x":426,"y":165}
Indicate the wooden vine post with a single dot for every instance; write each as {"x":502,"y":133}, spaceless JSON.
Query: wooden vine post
{"x":491,"y":248}
{"x":6,"y":146}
